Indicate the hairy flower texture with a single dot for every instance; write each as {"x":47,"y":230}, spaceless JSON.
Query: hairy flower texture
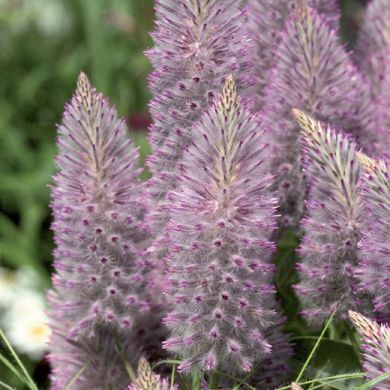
{"x":332,"y":226}
{"x":372,"y":55}
{"x":148,"y":380}
{"x":312,"y":73}
{"x":221,"y":218}
{"x":375,"y":346}
{"x":101,"y":273}
{"x":274,"y":368}
{"x":374,"y":267}
{"x":266,"y":19}
{"x":197,"y":44}
{"x":374,"y":41}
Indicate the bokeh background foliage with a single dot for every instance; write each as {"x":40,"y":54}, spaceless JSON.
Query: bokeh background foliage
{"x":43,"y":46}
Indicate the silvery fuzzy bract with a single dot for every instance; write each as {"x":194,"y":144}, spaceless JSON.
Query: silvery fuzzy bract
{"x":332,"y":226}
{"x":101,"y":273}
{"x":266,"y":19}
{"x":222,"y":216}
{"x":197,"y":44}
{"x":374,"y":252}
{"x":148,"y":380}
{"x":313,"y":73}
{"x":375,"y":347}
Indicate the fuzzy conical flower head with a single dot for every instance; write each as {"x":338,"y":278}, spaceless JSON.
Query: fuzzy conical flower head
{"x":376,"y":348}
{"x":148,"y":380}
{"x":222,"y":216}
{"x":333,"y":224}
{"x":314,"y":74}
{"x":266,"y":19}
{"x":100,"y":279}
{"x":197,"y":44}
{"x":374,"y":266}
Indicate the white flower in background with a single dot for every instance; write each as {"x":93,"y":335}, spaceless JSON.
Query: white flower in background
{"x":26,"y":323}
{"x":23,"y":311}
{"x":13,"y":281}
{"x":8,"y":283}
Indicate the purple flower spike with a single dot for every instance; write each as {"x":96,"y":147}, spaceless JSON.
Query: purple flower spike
{"x":148,"y":380}
{"x":222,"y":217}
{"x":372,"y":56}
{"x":266,"y":19}
{"x":197,"y":44}
{"x":332,"y":226}
{"x":373,"y":38}
{"x":312,"y":73}
{"x":101,"y":276}
{"x":374,"y":267}
{"x":376,"y":348}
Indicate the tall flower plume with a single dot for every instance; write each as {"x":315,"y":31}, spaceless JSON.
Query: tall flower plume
{"x":197,"y":44}
{"x":312,"y":73}
{"x":332,"y":226}
{"x":374,"y":264}
{"x":266,"y":19}
{"x":376,"y":348}
{"x":101,"y":275}
{"x":372,"y":55}
{"x":221,"y":218}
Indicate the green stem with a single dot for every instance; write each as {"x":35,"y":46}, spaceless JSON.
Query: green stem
{"x":214,"y":379}
{"x":313,"y":351}
{"x":196,"y":381}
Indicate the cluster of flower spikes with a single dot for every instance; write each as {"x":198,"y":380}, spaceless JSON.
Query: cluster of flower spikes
{"x":372,"y":55}
{"x":101,"y":278}
{"x":376,"y":348}
{"x":222,"y":215}
{"x":313,"y":73}
{"x":266,"y":19}
{"x":332,"y":225}
{"x":374,"y":265}
{"x":197,"y":43}
{"x":148,"y":380}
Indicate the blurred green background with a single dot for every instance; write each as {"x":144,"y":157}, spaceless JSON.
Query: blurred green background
{"x":43,"y":46}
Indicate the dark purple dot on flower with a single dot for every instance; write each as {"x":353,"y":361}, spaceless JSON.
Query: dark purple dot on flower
{"x":93,"y":248}
{"x":117,"y":273}
{"x":193,"y":106}
{"x":214,"y":334}
{"x":103,"y":260}
{"x":85,"y":222}
{"x":218,"y":243}
{"x":99,"y":230}
{"x":218,"y":315}
{"x":348,"y":243}
{"x":229,"y":279}
{"x":225,"y":297}
{"x":114,"y":239}
{"x":196,"y":79}
{"x":93,"y":279}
